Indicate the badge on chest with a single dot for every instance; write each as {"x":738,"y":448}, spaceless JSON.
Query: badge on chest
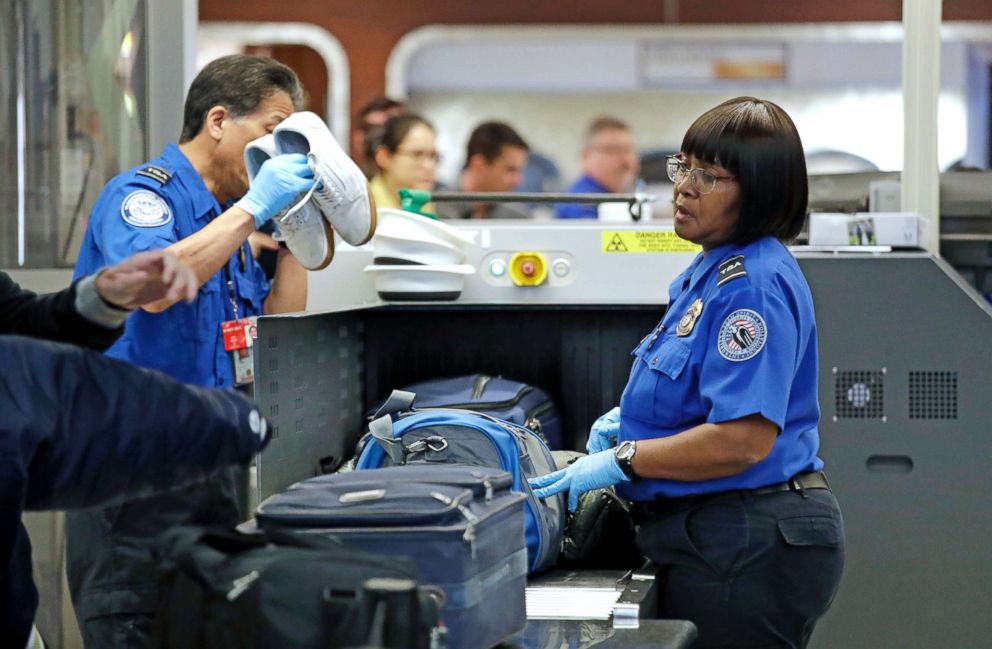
{"x":688,"y":320}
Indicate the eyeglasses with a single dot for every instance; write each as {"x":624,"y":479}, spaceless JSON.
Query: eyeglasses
{"x":422,"y":156}
{"x":702,"y":181}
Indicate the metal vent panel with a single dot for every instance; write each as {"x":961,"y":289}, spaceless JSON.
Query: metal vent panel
{"x":859,"y":394}
{"x":933,"y":395}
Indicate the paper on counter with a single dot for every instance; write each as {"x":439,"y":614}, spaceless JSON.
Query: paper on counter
{"x":550,"y":603}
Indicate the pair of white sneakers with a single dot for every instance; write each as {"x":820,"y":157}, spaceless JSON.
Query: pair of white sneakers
{"x":339,"y":199}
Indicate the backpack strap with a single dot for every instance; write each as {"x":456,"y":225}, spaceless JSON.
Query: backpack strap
{"x":398,"y":401}
{"x":381,"y":429}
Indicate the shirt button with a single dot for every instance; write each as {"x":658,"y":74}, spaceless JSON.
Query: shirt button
{"x":654,"y":361}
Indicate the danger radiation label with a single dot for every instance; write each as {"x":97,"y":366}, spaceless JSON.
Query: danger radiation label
{"x":645,"y":241}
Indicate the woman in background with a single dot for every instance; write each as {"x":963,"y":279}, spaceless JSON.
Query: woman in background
{"x":407,"y":157}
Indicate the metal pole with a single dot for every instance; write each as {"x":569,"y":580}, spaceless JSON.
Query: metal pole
{"x":20,"y":74}
{"x":514,"y":197}
{"x":634,"y":201}
{"x":920,"y":188}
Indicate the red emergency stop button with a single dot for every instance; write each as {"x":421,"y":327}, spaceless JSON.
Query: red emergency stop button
{"x":528,"y":269}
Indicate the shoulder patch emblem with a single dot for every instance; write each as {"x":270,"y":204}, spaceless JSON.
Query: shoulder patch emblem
{"x":731,"y":269}
{"x":145,"y":209}
{"x":742,"y":335}
{"x":155,"y":173}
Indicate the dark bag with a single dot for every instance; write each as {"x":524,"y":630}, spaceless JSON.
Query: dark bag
{"x":461,"y":524}
{"x":506,"y":399}
{"x":600,"y":533}
{"x":226,"y":589}
{"x":402,"y":435}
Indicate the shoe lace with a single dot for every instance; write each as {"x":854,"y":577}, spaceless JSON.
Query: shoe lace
{"x":292,"y":215}
{"x":327,"y":191}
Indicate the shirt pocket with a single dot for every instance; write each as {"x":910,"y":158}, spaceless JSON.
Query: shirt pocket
{"x":660,"y":383}
{"x":250,"y":300}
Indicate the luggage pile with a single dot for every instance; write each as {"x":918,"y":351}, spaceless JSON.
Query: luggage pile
{"x":426,"y":544}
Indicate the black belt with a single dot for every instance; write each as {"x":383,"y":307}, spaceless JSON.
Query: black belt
{"x":799,"y":482}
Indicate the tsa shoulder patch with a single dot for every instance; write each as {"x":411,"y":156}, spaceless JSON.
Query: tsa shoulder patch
{"x":155,"y":173}
{"x":731,"y":269}
{"x":145,"y":209}
{"x":742,"y":335}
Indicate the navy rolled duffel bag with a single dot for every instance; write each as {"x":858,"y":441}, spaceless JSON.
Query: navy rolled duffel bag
{"x":514,"y":401}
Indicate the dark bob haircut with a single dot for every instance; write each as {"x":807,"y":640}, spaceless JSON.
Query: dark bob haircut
{"x":756,"y":141}
{"x":239,"y":83}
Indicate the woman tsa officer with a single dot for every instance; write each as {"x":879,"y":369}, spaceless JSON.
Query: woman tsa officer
{"x":717,"y":426}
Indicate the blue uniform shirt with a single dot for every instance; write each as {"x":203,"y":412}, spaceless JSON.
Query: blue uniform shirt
{"x":151,"y":207}
{"x":584,"y":185}
{"x":747,"y":346}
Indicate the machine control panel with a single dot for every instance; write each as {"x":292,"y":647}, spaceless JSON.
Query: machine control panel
{"x":528,"y":268}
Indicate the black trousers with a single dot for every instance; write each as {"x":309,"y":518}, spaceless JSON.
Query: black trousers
{"x":751,"y":571}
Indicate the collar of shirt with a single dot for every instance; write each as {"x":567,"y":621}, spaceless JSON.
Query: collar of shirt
{"x":589,"y":185}
{"x":701,"y":265}
{"x":204,"y":203}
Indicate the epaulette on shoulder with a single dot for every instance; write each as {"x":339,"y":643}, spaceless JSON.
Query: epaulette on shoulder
{"x":731,"y":269}
{"x":155,"y":173}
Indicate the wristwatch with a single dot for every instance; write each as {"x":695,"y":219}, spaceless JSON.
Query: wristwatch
{"x":624,"y":455}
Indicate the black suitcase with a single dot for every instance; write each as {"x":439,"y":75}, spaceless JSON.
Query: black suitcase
{"x":225,"y":589}
{"x":460,"y":524}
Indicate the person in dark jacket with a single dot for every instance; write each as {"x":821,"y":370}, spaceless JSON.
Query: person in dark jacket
{"x":80,"y":429}
{"x":91,"y":312}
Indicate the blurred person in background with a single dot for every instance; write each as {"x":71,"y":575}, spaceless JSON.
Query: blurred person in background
{"x":609,"y":165}
{"x":368,"y":123}
{"x":406,"y":155}
{"x":495,"y":158}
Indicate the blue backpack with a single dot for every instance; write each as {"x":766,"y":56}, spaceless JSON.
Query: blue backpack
{"x":400,"y":434}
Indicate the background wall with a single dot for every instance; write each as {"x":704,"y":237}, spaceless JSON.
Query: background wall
{"x":553,"y":124}
{"x":369,"y":30}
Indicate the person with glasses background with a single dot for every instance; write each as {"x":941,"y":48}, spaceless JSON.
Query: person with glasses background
{"x":717,"y":426}
{"x":609,"y":165}
{"x":406,"y":155}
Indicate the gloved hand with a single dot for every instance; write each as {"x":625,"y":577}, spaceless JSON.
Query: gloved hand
{"x":590,"y":472}
{"x":603,"y":434}
{"x":279,"y":181}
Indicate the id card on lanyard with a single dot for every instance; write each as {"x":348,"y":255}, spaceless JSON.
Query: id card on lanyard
{"x":239,"y":335}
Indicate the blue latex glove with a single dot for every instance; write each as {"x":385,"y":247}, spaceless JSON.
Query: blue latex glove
{"x":603,"y":434}
{"x":279,"y":181}
{"x":587,"y":473}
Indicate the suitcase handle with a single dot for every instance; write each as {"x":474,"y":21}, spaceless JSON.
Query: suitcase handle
{"x":398,"y":401}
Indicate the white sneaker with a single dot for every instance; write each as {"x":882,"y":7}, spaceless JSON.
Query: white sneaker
{"x":342,"y":189}
{"x":306,"y":233}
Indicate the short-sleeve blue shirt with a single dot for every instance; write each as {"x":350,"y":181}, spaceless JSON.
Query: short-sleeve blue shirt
{"x":151,"y":207}
{"x":738,"y":339}
{"x":584,"y":185}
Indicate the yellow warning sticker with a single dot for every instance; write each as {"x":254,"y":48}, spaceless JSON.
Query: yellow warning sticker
{"x":646,"y":241}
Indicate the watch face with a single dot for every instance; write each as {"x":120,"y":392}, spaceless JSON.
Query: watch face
{"x":626,"y":450}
